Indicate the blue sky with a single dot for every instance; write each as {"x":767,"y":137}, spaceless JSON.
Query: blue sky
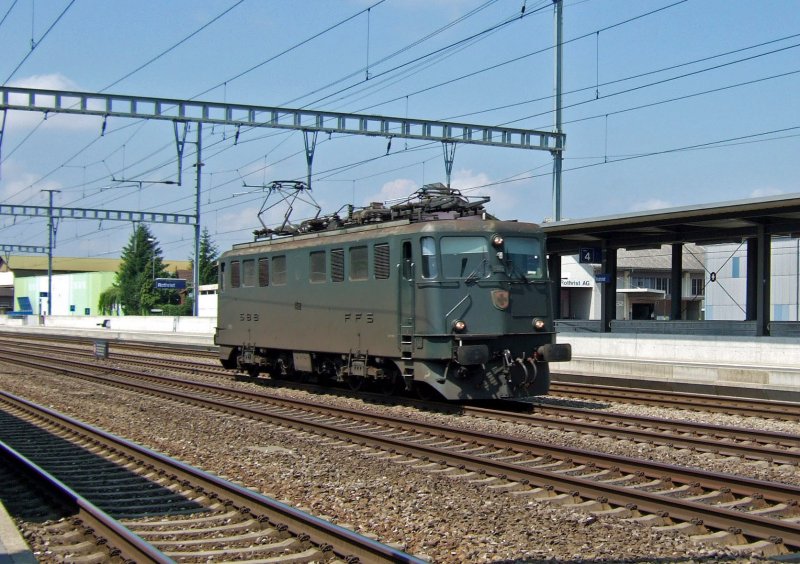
{"x":667,"y":104}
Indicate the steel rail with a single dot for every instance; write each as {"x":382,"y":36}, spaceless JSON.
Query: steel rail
{"x":760,"y":526}
{"x":346,"y":543}
{"x":657,"y":431}
{"x":131,"y":546}
{"x":770,"y":409}
{"x":656,"y":470}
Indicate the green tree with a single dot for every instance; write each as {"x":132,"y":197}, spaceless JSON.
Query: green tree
{"x":109,"y":300}
{"x":208,"y":259}
{"x":141,"y":265}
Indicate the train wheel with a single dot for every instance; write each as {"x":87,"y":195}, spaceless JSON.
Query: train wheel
{"x":390,"y":385}
{"x":425,"y":392}
{"x":253,"y":371}
{"x":355,"y":383}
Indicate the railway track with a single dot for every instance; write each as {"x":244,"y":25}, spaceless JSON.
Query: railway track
{"x":136,"y":505}
{"x":745,"y":443}
{"x":756,"y":515}
{"x":722,"y":441}
{"x":749,"y":407}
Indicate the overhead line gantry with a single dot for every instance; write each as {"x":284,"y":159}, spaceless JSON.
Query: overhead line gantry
{"x":310,"y":122}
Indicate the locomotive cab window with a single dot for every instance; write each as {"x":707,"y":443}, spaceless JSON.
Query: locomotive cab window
{"x":408,"y":269}
{"x":465,"y":257}
{"x":279,"y":270}
{"x":221,"y":277}
{"x":524,"y":258}
{"x":430,"y":264}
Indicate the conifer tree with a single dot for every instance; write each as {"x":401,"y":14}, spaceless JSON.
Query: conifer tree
{"x":141,"y":265}
{"x":208,"y":259}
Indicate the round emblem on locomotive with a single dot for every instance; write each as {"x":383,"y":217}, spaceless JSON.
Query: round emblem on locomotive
{"x":500,"y":299}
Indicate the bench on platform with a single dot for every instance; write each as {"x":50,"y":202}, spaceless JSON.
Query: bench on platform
{"x":24,"y":309}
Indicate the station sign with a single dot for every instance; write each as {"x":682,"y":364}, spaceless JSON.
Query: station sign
{"x":170,"y":283}
{"x":590,"y":255}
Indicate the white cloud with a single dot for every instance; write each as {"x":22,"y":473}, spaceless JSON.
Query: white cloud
{"x":395,"y":190}
{"x":240,"y":218}
{"x":17,"y":186}
{"x":55,"y":81}
{"x":765,"y":192}
{"x":508,"y":201}
{"x":651,"y":204}
{"x":26,"y":120}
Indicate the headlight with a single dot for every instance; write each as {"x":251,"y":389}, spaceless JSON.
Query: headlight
{"x":459,"y":326}
{"x":497,"y":241}
{"x":538,"y":324}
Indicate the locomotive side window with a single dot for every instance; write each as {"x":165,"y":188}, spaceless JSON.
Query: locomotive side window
{"x":316,"y":267}
{"x":263,"y":272}
{"x":408,"y":273}
{"x":359,"y":263}
{"x":248,"y":273}
{"x":430,"y":266}
{"x":465,"y":257}
{"x":524,"y":257}
{"x":381,"y":261}
{"x":337,"y":265}
{"x":279,"y":270}
{"x":221,"y":277}
{"x":235,"y":280}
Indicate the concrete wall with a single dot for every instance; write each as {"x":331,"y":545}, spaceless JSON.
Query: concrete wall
{"x":701,"y":359}
{"x":73,"y":294}
{"x":156,"y":328}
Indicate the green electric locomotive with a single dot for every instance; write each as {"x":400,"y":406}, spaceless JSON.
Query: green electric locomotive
{"x":432,"y":295}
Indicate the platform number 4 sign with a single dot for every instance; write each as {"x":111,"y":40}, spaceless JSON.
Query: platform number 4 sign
{"x":590,"y":255}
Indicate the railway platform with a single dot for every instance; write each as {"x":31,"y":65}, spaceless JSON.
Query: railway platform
{"x":748,"y":366}
{"x":13,"y":548}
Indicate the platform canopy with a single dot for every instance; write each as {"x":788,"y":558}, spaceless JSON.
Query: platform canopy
{"x":754,"y":222}
{"x":726,"y":222}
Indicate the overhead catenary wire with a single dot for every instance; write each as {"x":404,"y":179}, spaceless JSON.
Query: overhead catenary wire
{"x":11,"y":7}
{"x":35,"y":44}
{"x":172,"y":47}
{"x":355,"y":164}
{"x":609,"y":82}
{"x":204,"y":26}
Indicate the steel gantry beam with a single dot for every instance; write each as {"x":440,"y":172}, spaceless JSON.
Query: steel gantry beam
{"x":111,"y":105}
{"x":102,"y":215}
{"x":22,"y":249}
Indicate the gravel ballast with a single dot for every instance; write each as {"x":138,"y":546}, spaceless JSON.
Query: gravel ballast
{"x":432,"y":516}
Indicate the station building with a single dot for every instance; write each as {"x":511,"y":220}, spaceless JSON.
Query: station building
{"x":76,"y":283}
{"x":726,"y":294}
{"x":644,"y":285}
